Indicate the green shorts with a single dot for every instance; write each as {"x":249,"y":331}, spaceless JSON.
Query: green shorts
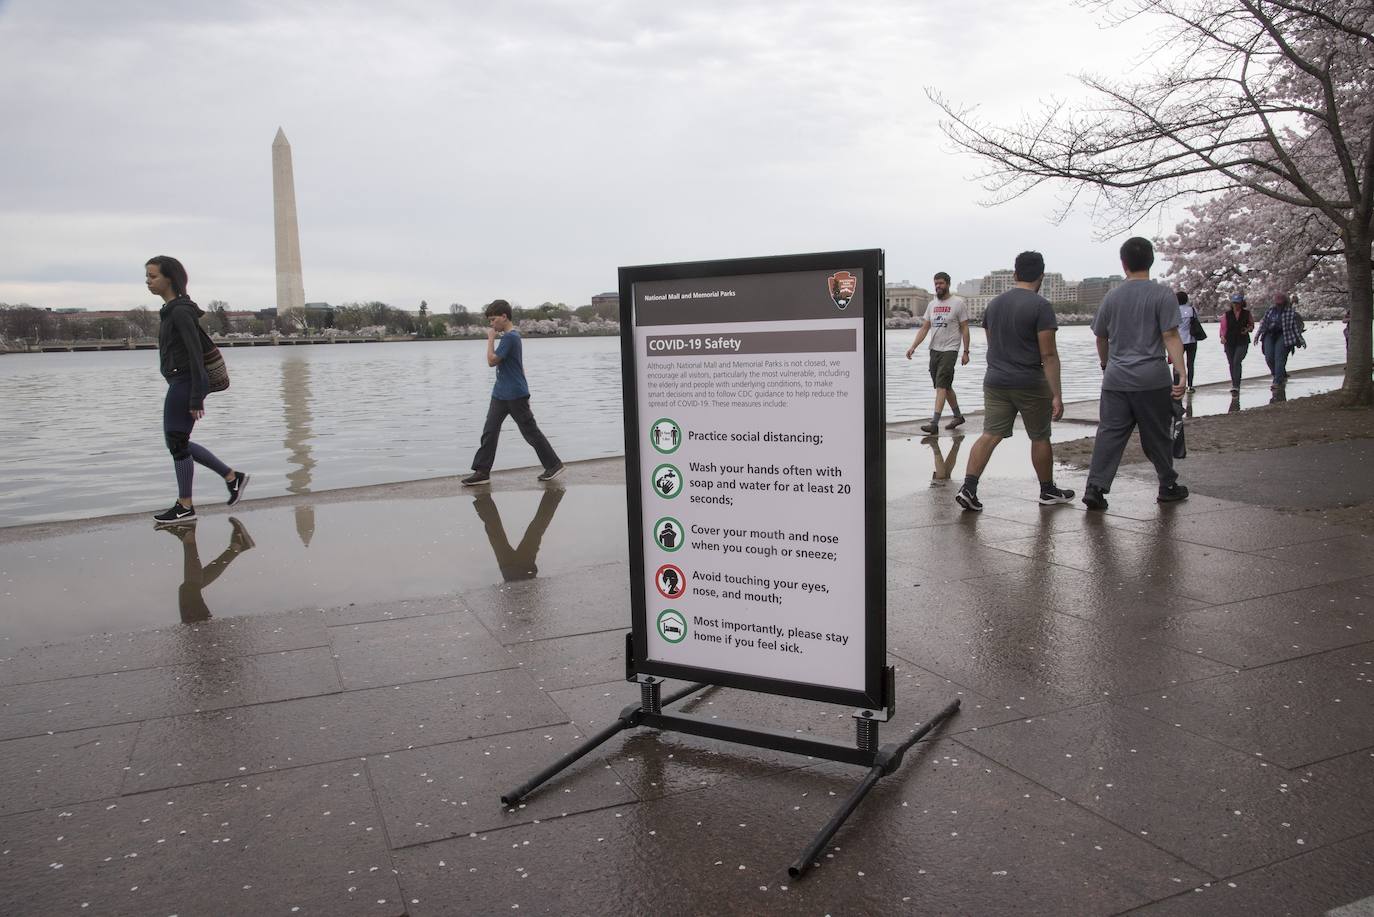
{"x":942,"y":363}
{"x":1001,"y":405}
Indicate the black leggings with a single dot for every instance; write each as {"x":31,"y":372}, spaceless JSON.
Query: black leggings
{"x":177,"y":424}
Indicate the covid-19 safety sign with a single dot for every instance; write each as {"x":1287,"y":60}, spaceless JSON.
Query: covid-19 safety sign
{"x":754,"y":447}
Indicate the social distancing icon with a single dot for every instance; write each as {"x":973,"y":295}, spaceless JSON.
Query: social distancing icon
{"x":665,"y":435}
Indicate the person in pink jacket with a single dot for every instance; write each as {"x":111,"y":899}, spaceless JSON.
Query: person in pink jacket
{"x":1237,"y":324}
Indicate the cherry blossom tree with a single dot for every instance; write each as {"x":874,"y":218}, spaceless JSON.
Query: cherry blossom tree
{"x":1248,"y":101}
{"x":1243,"y":242}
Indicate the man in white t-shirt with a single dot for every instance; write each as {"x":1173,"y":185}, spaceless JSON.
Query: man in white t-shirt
{"x":946,"y":321}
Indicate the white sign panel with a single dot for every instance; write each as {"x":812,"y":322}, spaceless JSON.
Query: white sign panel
{"x":750,"y":392}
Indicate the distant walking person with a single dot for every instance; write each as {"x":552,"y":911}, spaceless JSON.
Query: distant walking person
{"x":1022,"y":378}
{"x":181,"y":354}
{"x":947,"y":318}
{"x":509,"y":396}
{"x":1186,"y":314}
{"x":1136,"y":323}
{"x":1237,"y":324}
{"x":1279,"y":333}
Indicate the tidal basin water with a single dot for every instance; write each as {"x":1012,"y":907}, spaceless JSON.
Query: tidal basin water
{"x":81,"y":432}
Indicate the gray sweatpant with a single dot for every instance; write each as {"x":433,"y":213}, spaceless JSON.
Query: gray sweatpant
{"x":1118,"y":414}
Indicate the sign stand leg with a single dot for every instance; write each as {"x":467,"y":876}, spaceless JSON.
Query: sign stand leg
{"x":889,"y":758}
{"x":629,"y":718}
{"x":866,"y":752}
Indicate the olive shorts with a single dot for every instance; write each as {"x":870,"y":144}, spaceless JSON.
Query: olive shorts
{"x":942,"y":363}
{"x":1001,"y":405}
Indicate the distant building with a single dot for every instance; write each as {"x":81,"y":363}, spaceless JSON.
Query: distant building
{"x":906,"y":296}
{"x":970,"y":288}
{"x":1091,"y":290}
{"x":1054,"y":287}
{"x":606,"y":299}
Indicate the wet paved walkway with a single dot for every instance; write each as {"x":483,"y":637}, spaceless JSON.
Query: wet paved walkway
{"x":1166,"y":710}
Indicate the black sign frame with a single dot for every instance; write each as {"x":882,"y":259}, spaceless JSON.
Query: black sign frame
{"x":876,"y":693}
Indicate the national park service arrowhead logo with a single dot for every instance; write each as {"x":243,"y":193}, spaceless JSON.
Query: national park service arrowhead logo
{"x":842,"y":287}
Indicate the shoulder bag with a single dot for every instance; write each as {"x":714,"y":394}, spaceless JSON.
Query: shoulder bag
{"x":214,"y":362}
{"x":1196,"y":329}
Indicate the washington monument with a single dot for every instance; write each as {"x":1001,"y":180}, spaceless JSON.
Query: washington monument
{"x":290,"y":287}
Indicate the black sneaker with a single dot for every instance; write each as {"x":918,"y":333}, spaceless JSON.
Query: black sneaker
{"x":551,"y":473}
{"x":968,"y":500}
{"x":958,"y":421}
{"x":239,"y":539}
{"x":1172,"y":494}
{"x":930,"y":428}
{"x":236,"y":487}
{"x":1093,"y":498}
{"x":477,"y":477}
{"x":176,"y":515}
{"x":1052,"y":496}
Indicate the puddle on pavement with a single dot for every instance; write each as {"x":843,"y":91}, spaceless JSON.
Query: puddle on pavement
{"x":922,"y":463}
{"x":132,"y":576}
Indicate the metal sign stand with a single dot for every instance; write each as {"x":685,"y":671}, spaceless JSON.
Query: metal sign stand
{"x":866,"y":752}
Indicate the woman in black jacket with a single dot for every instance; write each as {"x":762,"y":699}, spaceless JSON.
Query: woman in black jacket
{"x":183,"y":366}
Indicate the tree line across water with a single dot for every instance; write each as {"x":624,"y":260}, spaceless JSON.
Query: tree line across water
{"x":30,"y":324}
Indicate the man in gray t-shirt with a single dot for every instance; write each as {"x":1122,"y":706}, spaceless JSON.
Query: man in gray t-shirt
{"x":1135,"y":325}
{"x":1022,"y":378}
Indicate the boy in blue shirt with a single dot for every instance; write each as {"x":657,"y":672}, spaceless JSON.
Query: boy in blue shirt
{"x":510,"y":396}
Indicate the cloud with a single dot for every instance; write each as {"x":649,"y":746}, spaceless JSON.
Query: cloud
{"x":463,"y":151}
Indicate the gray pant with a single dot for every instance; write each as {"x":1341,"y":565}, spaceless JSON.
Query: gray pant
{"x":518,"y":408}
{"x":1119,"y":413}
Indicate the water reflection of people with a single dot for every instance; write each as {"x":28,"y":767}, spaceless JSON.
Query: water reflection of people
{"x":944,"y":464}
{"x":519,"y":562}
{"x":196,"y":577}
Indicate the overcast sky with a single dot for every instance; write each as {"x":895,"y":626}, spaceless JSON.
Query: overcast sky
{"x":458,"y":151}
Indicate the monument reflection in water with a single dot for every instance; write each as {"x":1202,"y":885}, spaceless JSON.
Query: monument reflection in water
{"x":295,"y":399}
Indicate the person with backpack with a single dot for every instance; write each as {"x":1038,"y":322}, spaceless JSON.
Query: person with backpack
{"x":181,"y":355}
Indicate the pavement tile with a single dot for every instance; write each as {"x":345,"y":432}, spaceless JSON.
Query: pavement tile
{"x":953,"y":552}
{"x":1317,"y":882}
{"x":442,"y":791}
{"x":415,"y":649}
{"x":1292,"y":713}
{"x":1351,"y":555}
{"x":1136,"y":602}
{"x":1247,"y":528}
{"x":1023,"y":655}
{"x":948,"y":833}
{"x":1352,"y":773}
{"x":391,"y":611}
{"x":247,"y":636}
{"x":1273,"y":628}
{"x":208,"y":746}
{"x":1140,"y":503}
{"x":1212,"y":575}
{"x":587,"y":601}
{"x":213,"y":683}
{"x":309,"y":839}
{"x":571,"y":662}
{"x":1214,"y":807}
{"x":62,"y":769}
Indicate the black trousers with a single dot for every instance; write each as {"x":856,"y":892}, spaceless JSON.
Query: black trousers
{"x":1120,"y":413}
{"x":518,"y":408}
